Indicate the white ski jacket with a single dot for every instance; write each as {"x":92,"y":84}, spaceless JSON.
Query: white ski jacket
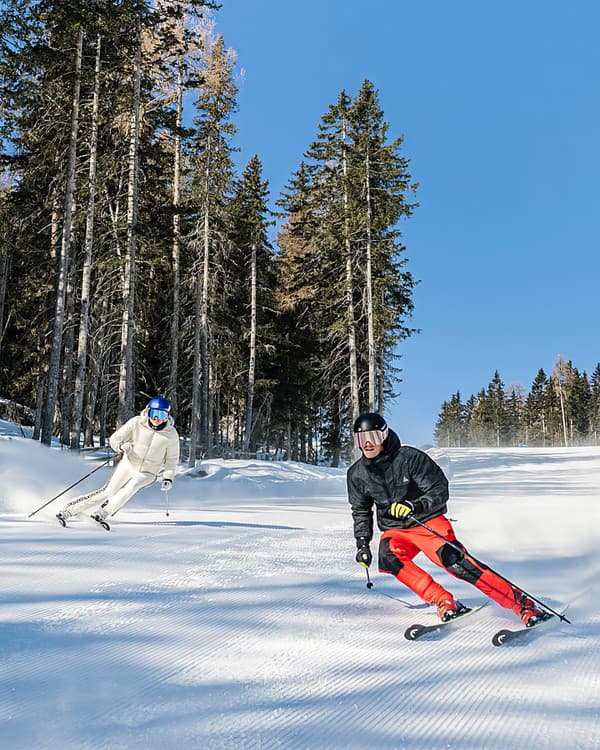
{"x":152,"y":450}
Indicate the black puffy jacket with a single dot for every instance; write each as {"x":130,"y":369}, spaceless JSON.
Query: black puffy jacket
{"x":399,"y":473}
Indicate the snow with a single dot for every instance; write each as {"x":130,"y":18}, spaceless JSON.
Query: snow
{"x":242,"y":620}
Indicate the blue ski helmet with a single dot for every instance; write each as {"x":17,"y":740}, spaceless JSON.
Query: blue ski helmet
{"x":159,"y":403}
{"x":158,"y":408}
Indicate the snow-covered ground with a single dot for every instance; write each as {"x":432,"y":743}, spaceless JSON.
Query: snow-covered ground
{"x":242,"y":620}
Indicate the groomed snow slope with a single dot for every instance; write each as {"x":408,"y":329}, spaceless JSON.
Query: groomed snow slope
{"x":242,"y":620}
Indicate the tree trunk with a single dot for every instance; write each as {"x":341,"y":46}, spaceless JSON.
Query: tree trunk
{"x":41,"y":387}
{"x":67,"y":378}
{"x":252,"y":362}
{"x":196,"y":376}
{"x":92,"y":387}
{"x":126,"y":373}
{"x":176,"y":248}
{"x":204,"y":331}
{"x":562,"y":413}
{"x":65,"y":252}
{"x":288,"y":436}
{"x":350,"y":323}
{"x":380,"y":380}
{"x":84,"y":315}
{"x":369,"y":289}
{"x":3,"y":283}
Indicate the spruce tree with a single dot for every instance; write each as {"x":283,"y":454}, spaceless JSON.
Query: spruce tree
{"x":249,"y":302}
{"x":595,"y":404}
{"x":382,"y":184}
{"x":212,"y":176}
{"x":536,"y":411}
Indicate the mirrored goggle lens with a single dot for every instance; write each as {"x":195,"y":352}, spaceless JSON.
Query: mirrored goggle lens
{"x":161,"y":414}
{"x":375,"y":437}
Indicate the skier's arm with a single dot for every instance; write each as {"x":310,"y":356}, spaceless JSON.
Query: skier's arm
{"x":171,"y":459}
{"x":123,"y":435}
{"x":362,"y":509}
{"x":431,"y":481}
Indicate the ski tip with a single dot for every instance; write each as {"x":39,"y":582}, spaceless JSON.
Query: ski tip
{"x":500,"y":637}
{"x":412,"y":633}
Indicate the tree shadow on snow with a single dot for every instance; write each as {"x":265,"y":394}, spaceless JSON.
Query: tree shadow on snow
{"x":216,"y":524}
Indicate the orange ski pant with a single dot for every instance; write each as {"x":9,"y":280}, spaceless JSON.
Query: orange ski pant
{"x":399,"y":547}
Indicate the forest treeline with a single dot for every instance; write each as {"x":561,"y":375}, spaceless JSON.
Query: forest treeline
{"x":561,"y":409}
{"x":136,"y":259}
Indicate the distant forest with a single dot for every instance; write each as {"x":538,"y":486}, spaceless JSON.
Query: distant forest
{"x":136,"y":259}
{"x":561,"y":409}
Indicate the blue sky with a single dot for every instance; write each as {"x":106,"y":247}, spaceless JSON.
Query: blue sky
{"x":499,"y":108}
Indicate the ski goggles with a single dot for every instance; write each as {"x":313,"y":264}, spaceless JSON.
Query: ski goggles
{"x":375,"y":437}
{"x":161,"y":414}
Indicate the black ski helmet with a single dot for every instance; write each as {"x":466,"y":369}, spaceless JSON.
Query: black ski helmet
{"x":368,"y":421}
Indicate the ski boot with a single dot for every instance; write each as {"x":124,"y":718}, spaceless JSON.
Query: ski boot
{"x":531,"y":616}
{"x":448,"y":608}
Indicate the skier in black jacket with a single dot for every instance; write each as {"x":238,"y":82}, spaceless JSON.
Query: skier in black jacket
{"x":405,"y":485}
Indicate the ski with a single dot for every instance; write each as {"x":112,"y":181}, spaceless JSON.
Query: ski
{"x":504,"y":636}
{"x":417,"y":631}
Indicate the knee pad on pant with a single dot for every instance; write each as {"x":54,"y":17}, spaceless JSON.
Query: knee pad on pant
{"x":388,"y":562}
{"x":455,"y":562}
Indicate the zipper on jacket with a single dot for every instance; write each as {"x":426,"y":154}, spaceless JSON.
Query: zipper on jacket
{"x":147,"y":449}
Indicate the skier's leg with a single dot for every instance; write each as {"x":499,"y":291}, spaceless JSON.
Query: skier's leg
{"x":134,"y":484}
{"x":396,"y":553}
{"x":461,"y":564}
{"x":82,"y":503}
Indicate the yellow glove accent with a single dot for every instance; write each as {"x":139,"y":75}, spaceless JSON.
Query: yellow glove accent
{"x":401,"y":510}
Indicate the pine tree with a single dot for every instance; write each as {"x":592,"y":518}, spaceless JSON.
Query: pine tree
{"x":595,"y":404}
{"x":211,"y":184}
{"x":496,"y":399}
{"x":580,"y":411}
{"x":536,"y":411}
{"x":250,"y":298}
{"x":468,"y":410}
{"x":298,"y":402}
{"x":354,"y":185}
{"x":449,"y":429}
{"x":382,"y":183}
{"x":514,"y":411}
{"x":483,"y":432}
{"x":561,"y":378}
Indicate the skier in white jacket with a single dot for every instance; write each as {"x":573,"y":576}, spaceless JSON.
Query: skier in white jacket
{"x":148,"y":443}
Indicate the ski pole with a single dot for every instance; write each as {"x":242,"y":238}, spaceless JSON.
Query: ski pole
{"x":167,"y":502}
{"x":510,"y":583}
{"x":366,"y":567}
{"x":70,"y":487}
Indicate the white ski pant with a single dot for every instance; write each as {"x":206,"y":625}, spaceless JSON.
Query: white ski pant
{"x":121,"y":487}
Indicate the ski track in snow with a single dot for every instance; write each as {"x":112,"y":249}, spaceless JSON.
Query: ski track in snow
{"x":245,"y":623}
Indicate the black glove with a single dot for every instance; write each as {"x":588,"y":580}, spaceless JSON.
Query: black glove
{"x":402,"y":510}
{"x":363,"y":553}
